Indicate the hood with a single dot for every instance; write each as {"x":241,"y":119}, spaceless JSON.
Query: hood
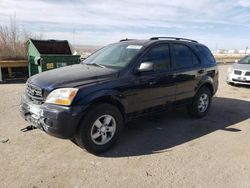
{"x":243,"y":67}
{"x":71,"y":76}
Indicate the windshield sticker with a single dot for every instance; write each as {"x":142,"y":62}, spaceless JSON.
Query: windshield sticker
{"x":136,"y":47}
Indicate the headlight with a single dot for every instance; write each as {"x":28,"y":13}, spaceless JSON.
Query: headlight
{"x":229,"y":70}
{"x":63,"y":96}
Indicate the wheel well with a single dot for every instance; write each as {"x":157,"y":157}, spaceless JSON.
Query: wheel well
{"x":110,"y":100}
{"x":209,"y":86}
{"x":105,"y":99}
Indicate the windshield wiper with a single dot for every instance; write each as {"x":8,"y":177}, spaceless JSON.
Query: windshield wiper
{"x":95,"y":64}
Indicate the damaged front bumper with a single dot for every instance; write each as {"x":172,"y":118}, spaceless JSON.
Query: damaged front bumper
{"x":58,"y":121}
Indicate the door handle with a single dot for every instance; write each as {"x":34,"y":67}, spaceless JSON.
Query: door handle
{"x":152,"y":83}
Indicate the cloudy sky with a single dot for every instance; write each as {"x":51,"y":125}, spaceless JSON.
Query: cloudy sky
{"x":216,"y":23}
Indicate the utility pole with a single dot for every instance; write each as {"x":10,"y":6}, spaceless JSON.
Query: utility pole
{"x":246,"y":50}
{"x":74,"y":32}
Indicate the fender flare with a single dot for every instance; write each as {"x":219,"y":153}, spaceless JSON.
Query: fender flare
{"x":108,"y":95}
{"x":208,"y":82}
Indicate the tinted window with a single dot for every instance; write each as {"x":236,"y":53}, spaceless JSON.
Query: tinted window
{"x":207,"y":56}
{"x":245,"y":60}
{"x":160,"y":56}
{"x":184,"y":57}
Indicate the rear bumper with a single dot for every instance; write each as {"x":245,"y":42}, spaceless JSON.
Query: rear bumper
{"x":55,"y":120}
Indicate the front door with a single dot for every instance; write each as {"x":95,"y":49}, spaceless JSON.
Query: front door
{"x":156,"y":87}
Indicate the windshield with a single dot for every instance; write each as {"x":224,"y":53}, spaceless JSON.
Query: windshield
{"x":114,"y":55}
{"x":245,"y":60}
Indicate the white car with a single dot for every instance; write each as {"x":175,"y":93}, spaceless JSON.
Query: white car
{"x":239,"y":73}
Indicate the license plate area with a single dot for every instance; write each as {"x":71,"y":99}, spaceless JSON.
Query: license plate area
{"x":242,"y":78}
{"x":35,"y":111}
{"x":34,"y":115}
{"x":33,"y":120}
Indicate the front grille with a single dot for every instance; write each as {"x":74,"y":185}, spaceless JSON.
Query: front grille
{"x":34,"y":93}
{"x":247,"y":74}
{"x":237,"y":72}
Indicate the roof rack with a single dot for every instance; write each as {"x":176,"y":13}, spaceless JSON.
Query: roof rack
{"x":126,"y":39}
{"x":173,"y":38}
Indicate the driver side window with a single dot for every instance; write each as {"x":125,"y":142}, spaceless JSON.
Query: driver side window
{"x":160,"y":56}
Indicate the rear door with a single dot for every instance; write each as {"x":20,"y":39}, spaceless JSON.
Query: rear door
{"x":188,"y":70}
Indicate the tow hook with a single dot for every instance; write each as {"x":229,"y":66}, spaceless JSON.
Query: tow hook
{"x":28,"y":128}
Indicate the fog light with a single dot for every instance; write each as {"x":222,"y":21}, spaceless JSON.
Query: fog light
{"x":48,"y":122}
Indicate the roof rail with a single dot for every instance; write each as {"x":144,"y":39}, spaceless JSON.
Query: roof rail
{"x":126,"y":39}
{"x":173,"y":38}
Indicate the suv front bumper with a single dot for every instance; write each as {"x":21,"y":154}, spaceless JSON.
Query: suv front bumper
{"x":58,"y":121}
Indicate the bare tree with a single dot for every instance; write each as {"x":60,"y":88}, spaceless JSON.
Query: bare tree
{"x":13,"y":41}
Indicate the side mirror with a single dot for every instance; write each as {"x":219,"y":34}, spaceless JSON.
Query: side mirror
{"x":146,"y":67}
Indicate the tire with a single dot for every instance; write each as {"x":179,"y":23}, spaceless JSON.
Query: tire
{"x":100,"y":128}
{"x":201,"y":103}
{"x":230,"y":83}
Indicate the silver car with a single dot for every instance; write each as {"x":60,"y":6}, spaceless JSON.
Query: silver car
{"x":239,"y":73}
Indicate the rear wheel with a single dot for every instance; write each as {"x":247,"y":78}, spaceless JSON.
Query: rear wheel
{"x":201,"y":103}
{"x":100,"y":128}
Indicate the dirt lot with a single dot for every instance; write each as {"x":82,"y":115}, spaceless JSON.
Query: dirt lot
{"x":165,"y":150}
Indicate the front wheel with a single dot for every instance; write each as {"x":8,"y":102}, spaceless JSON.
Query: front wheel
{"x":201,"y":103}
{"x":100,"y":128}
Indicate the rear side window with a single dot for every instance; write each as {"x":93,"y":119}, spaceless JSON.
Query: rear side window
{"x":184,"y":56}
{"x":159,"y":55}
{"x":206,"y":55}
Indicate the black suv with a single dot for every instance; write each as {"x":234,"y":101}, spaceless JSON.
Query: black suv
{"x":89,"y":102}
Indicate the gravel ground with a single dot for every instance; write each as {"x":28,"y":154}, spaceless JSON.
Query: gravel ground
{"x":165,"y":150}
